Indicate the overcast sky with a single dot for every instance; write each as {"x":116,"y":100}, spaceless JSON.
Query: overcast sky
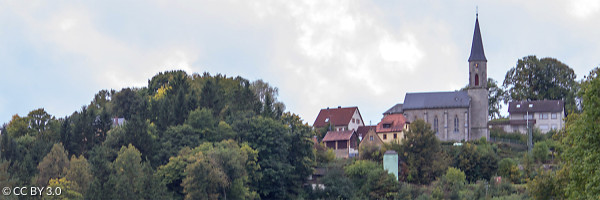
{"x":57,"y":55}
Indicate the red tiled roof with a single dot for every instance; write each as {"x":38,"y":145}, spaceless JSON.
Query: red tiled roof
{"x":337,"y":116}
{"x":396,"y":122}
{"x":338,"y":135}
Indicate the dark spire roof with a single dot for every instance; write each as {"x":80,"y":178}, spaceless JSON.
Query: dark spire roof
{"x":477,"y":46}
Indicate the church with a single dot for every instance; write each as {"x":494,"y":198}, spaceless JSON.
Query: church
{"x":454,"y":115}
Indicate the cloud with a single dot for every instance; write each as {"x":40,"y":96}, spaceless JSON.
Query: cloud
{"x":584,"y":9}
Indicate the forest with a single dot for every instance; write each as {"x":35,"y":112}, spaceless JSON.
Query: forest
{"x":183,"y":136}
{"x":216,"y":137}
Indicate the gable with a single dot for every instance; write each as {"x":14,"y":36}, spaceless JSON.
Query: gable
{"x":337,"y":116}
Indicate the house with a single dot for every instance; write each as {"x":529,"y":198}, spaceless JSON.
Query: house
{"x":314,"y":180}
{"x":392,"y":128}
{"x":343,"y":143}
{"x":340,"y":119}
{"x":371,"y":139}
{"x":363,"y":130}
{"x":545,"y":115}
{"x":118,"y":121}
{"x":454,"y":115}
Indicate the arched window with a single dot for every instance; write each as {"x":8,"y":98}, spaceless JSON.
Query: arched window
{"x":456,"y":123}
{"x":435,"y":124}
{"x":476,"y":80}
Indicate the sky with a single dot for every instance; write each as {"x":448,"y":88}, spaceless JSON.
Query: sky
{"x":319,"y":53}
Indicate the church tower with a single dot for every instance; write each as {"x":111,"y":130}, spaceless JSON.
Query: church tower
{"x":478,"y":91}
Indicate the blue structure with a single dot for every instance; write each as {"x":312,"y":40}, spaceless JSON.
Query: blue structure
{"x":390,"y":162}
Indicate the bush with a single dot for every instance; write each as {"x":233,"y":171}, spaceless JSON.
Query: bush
{"x":540,"y":152}
{"x":507,"y":169}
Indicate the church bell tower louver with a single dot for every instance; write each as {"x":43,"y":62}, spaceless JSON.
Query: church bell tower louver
{"x":477,"y":90}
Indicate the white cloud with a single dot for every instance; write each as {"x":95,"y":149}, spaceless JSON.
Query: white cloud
{"x":584,"y":9}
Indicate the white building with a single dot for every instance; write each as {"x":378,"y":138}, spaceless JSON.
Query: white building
{"x":545,"y":115}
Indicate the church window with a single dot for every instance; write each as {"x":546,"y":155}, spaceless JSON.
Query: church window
{"x":476,"y":65}
{"x":435,"y":124}
{"x":456,"y":124}
{"x":476,"y":80}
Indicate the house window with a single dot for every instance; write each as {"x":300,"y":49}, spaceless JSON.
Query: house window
{"x":543,"y":115}
{"x":395,"y":135}
{"x":543,"y":127}
{"x":358,"y":121}
{"x":385,"y":136}
{"x":526,"y":116}
{"x":554,"y":115}
{"x":554,"y":126}
{"x":353,"y":121}
{"x":371,"y":138}
{"x":476,"y":80}
{"x":435,"y":124}
{"x":387,"y":125}
{"x":456,"y":124}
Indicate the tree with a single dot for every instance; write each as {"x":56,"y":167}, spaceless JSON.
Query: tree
{"x":581,"y":153}
{"x":539,"y":79}
{"x":79,"y":174}
{"x":54,"y":165}
{"x":418,"y":149}
{"x":130,"y":177}
{"x":267,"y":95}
{"x":477,"y":161}
{"x":64,"y":186}
{"x":508,"y":169}
{"x":495,"y":95}
{"x":38,"y":119}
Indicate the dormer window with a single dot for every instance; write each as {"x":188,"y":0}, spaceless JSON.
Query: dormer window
{"x":387,"y":125}
{"x":518,"y":105}
{"x":530,"y":105}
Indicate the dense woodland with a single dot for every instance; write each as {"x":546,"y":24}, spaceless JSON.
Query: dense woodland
{"x":185,"y":136}
{"x":217,"y":137}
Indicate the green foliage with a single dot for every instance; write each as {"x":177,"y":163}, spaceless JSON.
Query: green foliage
{"x":508,"y":169}
{"x":234,"y":166}
{"x":54,"y":165}
{"x":538,"y":79}
{"x":67,"y":191}
{"x":495,"y":95}
{"x":540,"y":152}
{"x":131,"y":178}
{"x":79,"y":174}
{"x":417,"y":149}
{"x":337,"y":184}
{"x":371,"y":152}
{"x":163,"y":122}
{"x":370,"y":178}
{"x":477,"y":161}
{"x":323,"y":155}
{"x":546,"y":185}
{"x":582,"y":153}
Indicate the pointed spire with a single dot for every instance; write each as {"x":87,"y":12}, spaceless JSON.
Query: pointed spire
{"x":477,"y":53}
